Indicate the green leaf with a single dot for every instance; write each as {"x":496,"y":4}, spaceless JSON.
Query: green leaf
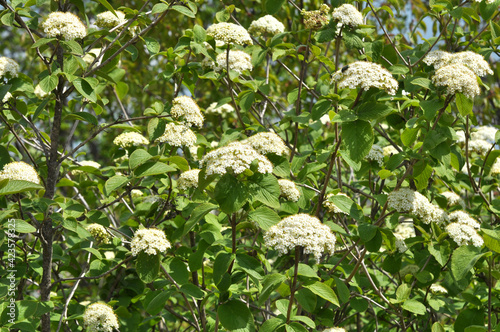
{"x":414,"y":306}
{"x":357,"y":137}
{"x":487,"y":10}
{"x":423,"y":82}
{"x":347,"y":205}
{"x":114,"y":183}
{"x":306,"y":299}
{"x":230,"y":193}
{"x":153,"y":168}
{"x":266,"y":189}
{"x":467,"y":318}
{"x":352,"y":40}
{"x":421,"y":174}
{"x":94,"y":252}
{"x":409,"y":136}
{"x":194,"y":291}
{"x":72,"y":46}
{"x":246,"y":99}
{"x":273,"y":6}
{"x":235,"y":316}
{"x":431,"y":107}
{"x":306,"y":320}
{"x":324,"y":292}
{"x":107,"y":6}
{"x":22,"y":226}
{"x":147,"y":266}
{"x":344,"y":116}
{"x":197,"y":215}
{"x":272,"y":325}
{"x":138,"y":157}
{"x":200,"y":35}
{"x":437,"y":327}
{"x":184,"y":11}
{"x":281,"y":165}
{"x":440,"y":251}
{"x":18,"y":186}
{"x":85,"y":89}
{"x":491,"y":239}
{"x":82,"y":116}
{"x":373,"y":111}
{"x":367,"y":231}
{"x":158,"y":302}
{"x":464,"y":104}
{"x":269,"y":284}
{"x":49,"y":83}
{"x":264,"y":217}
{"x":221,"y":264}
{"x":177,"y":270}
{"x":463,"y":260}
{"x":342,"y":290}
{"x":152,"y":45}
{"x":159,"y":8}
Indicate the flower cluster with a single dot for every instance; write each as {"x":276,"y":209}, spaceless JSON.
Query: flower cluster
{"x":486,"y":133}
{"x":301,"y":230}
{"x":266,"y":25}
{"x":495,"y":168}
{"x":19,"y":170}
{"x":86,"y":163}
{"x":188,"y":179}
{"x":99,"y":233}
{"x":108,"y":20}
{"x":335,"y":329}
{"x":185,"y":109}
{"x":8,"y":67}
{"x":152,"y":241}
{"x":389,"y":150}
{"x":366,"y":75}
{"x":237,"y":157}
{"x":100,"y":317}
{"x":222,"y":110}
{"x":407,"y":200}
{"x":268,"y":142}
{"x":136,"y":193}
{"x":316,"y":19}
{"x":239,"y":61}
{"x":453,"y":199}
{"x":64,"y":24}
{"x":347,"y":15}
{"x":7,"y":97}
{"x":289,"y":190}
{"x":463,"y":229}
{"x":402,"y":232}
{"x":177,"y":135}
{"x":377,"y":154}
{"x":91,"y":55}
{"x":479,"y":146}
{"x":327,"y":204}
{"x":438,"y":289}
{"x":457,"y":78}
{"x":39,"y":93}
{"x":129,"y":139}
{"x":471,"y":60}
{"x":229,"y":33}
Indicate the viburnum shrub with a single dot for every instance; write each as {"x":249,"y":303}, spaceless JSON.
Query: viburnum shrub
{"x":249,"y":166}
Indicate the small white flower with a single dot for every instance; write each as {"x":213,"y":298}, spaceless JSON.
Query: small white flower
{"x":268,"y":142}
{"x":99,"y":233}
{"x":377,"y":154}
{"x":188,"y":179}
{"x":177,"y":135}
{"x":316,"y":19}
{"x":347,"y":15}
{"x":457,"y":78}
{"x":289,"y":190}
{"x":239,"y":61}
{"x":438,"y":289}
{"x":402,"y":232}
{"x":409,"y":201}
{"x":267,"y":25}
{"x":86,"y":163}
{"x":129,"y":139}
{"x":39,"y":93}
{"x":222,"y":110}
{"x":8,"y":67}
{"x":453,"y":199}
{"x":185,"y":109}
{"x":229,"y":33}
{"x":389,"y":150}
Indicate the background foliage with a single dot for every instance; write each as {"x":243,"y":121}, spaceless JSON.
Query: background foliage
{"x":219,"y":275}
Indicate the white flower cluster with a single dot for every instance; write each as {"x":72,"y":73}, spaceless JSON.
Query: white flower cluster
{"x":289,"y":190}
{"x":495,"y":168}
{"x":237,"y":157}
{"x":268,"y":142}
{"x":99,"y":233}
{"x":7,"y":97}
{"x":64,"y":24}
{"x":266,"y":25}
{"x":376,"y":153}
{"x":229,"y":33}
{"x":19,"y":170}
{"x":239,"y":61}
{"x":301,"y":230}
{"x":150,"y":240}
{"x":457,"y":78}
{"x":409,"y":201}
{"x":347,"y":15}
{"x":315,"y":19}
{"x":366,"y":75}
{"x":389,"y":150}
{"x":100,"y":317}
{"x":335,"y":329}
{"x":39,"y":93}
{"x":135,"y":193}
{"x":109,"y":20}
{"x":330,"y":206}
{"x":438,"y":289}
{"x":402,"y":232}
{"x":185,"y":109}
{"x":188,"y":179}
{"x":453,"y":199}
{"x":129,"y":139}
{"x":86,"y":163}
{"x":463,"y":229}
{"x":177,"y":135}
{"x":8,"y":67}
{"x":479,"y":146}
{"x":486,"y":133}
{"x":222,"y":110}
{"x":471,"y":60}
